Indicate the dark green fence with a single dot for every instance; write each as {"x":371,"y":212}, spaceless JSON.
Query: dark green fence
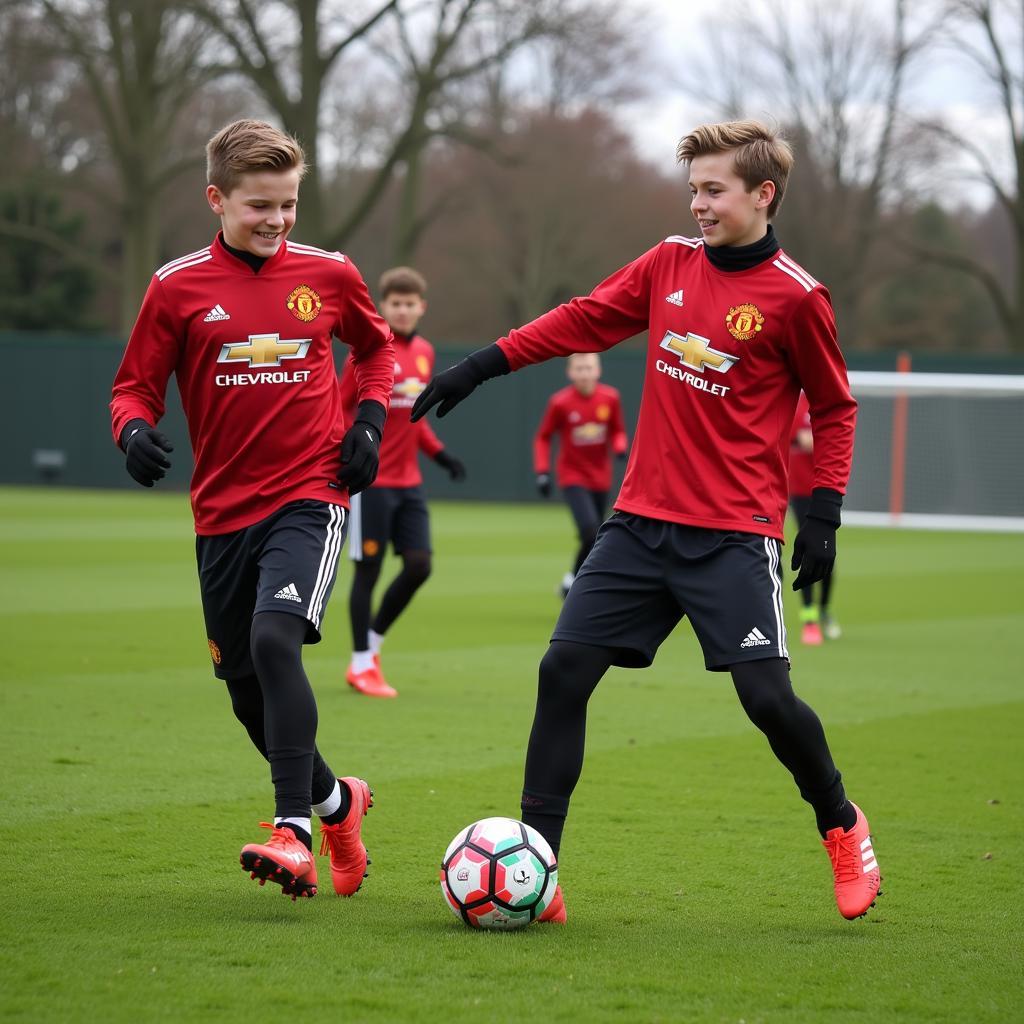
{"x":56,"y":425}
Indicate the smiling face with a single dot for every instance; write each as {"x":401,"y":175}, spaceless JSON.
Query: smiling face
{"x":259,"y":212}
{"x":727,"y":212}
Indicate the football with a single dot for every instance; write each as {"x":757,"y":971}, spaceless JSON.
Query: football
{"x":499,"y":874}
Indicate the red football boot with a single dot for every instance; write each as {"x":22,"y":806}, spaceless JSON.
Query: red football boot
{"x":370,"y":682}
{"x":554,"y":913}
{"x":283,"y":859}
{"x":344,"y":843}
{"x":857,"y":876}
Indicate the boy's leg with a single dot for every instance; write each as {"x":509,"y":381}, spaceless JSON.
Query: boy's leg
{"x":569,"y":672}
{"x":360,"y":602}
{"x":796,"y":736}
{"x":587,"y":519}
{"x":810,"y":631}
{"x":410,"y":534}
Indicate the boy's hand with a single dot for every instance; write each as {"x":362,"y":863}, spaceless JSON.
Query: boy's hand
{"x":459,"y":381}
{"x":454,"y":467}
{"x":360,"y":456}
{"x":814,"y":550}
{"x":544,"y":484}
{"x":145,"y":450}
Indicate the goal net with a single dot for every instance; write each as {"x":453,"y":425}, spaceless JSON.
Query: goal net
{"x":938,"y":451}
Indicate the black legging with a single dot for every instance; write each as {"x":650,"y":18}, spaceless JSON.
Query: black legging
{"x":415,"y":571}
{"x":289,"y":715}
{"x":569,"y":673}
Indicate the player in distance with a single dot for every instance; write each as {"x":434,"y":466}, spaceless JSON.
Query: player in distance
{"x":245,"y":325}
{"x":586,"y":417}
{"x":394,"y":509}
{"x":816,"y":620}
{"x":736,"y":329}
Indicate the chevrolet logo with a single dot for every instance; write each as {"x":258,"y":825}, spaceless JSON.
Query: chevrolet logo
{"x":696,"y":352}
{"x":264,"y":350}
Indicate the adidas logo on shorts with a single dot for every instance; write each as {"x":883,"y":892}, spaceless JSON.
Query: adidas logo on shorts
{"x":755,"y":638}
{"x":289,"y":593}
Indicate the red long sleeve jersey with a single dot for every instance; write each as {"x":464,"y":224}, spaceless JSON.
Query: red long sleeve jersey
{"x":589,"y":429}
{"x":252,"y":356}
{"x":403,"y":440}
{"x":727,"y":355}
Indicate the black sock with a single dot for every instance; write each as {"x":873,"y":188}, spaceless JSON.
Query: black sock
{"x":831,"y":808}
{"x":342,"y":812}
{"x":546,"y":813}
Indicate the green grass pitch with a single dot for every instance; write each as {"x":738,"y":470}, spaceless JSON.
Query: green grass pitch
{"x":696,"y":886}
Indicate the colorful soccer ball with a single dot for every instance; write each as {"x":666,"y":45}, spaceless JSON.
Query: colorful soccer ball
{"x":498,"y":873}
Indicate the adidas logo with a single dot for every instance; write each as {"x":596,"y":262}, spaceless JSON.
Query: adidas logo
{"x":676,"y":298}
{"x":217,"y":313}
{"x":289,"y":593}
{"x":867,"y":856}
{"x":755,"y":638}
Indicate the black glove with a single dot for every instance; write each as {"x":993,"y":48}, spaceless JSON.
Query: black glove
{"x":145,"y":450}
{"x":456,"y":470}
{"x":814,"y":550}
{"x":544,"y":484}
{"x":360,"y":447}
{"x":459,"y":381}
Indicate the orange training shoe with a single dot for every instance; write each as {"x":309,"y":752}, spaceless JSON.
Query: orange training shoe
{"x":811,"y":635}
{"x":344,"y":843}
{"x":854,"y":866}
{"x":554,"y":913}
{"x":283,"y":859}
{"x":370,"y":682}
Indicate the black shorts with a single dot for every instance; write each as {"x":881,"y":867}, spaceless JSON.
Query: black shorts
{"x":383,"y":515}
{"x":643,"y":575}
{"x":588,"y":508}
{"x":284,"y":563}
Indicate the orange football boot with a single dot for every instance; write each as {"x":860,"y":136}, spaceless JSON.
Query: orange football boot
{"x":283,"y":859}
{"x":811,"y":635}
{"x":855,"y":867}
{"x":554,"y":913}
{"x":343,"y":842}
{"x":370,"y":682}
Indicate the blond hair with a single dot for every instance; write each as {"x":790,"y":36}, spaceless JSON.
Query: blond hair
{"x":759,"y":153}
{"x":246,"y":146}
{"x":403,"y":281}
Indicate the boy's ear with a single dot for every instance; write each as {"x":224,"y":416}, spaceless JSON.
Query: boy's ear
{"x":215,"y":198}
{"x":765,"y":194}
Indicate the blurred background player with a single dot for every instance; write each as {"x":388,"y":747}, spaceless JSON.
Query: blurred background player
{"x":815,"y":619}
{"x":394,"y":509}
{"x":245,"y":325}
{"x":587,"y":418}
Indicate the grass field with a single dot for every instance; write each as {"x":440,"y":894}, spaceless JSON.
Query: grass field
{"x":696,"y":886}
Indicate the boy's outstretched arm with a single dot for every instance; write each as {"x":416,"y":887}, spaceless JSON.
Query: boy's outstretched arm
{"x":459,"y":381}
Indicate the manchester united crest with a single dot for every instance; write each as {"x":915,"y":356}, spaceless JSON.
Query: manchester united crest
{"x":214,"y":651}
{"x":304,"y":303}
{"x":423,"y":366}
{"x":744,"y":321}
{"x":603,"y":412}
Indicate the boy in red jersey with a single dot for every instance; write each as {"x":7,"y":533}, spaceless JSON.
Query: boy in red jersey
{"x":394,"y":509}
{"x":736,"y":328}
{"x":816,"y":621}
{"x":245,"y":325}
{"x":587,"y":417}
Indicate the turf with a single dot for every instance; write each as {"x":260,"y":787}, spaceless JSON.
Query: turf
{"x":696,"y":887}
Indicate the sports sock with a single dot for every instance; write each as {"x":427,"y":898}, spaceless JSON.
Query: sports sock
{"x":546,"y":813}
{"x":302,"y":827}
{"x":376,"y":641}
{"x":334,"y":810}
{"x":362,"y":661}
{"x":808,"y":613}
{"x":360,"y":598}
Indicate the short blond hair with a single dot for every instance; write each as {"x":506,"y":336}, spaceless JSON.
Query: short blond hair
{"x":403,"y":281}
{"x":760,"y":153}
{"x":245,"y":146}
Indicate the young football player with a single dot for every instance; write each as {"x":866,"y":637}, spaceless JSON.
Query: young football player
{"x":587,"y":418}
{"x":736,"y":329}
{"x":394,"y":509}
{"x":816,"y":620}
{"x":245,"y":325}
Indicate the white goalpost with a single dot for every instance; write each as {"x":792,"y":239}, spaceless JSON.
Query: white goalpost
{"x":940,"y":451}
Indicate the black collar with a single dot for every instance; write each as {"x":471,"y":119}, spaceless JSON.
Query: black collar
{"x":249,"y":258}
{"x":742,"y":257}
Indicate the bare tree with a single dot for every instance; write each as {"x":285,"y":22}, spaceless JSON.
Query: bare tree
{"x":988,"y":35}
{"x":140,"y":61}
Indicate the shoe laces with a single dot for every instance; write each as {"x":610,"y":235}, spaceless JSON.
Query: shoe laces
{"x":338,"y":840}
{"x":843,"y":853}
{"x":283,"y":836}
